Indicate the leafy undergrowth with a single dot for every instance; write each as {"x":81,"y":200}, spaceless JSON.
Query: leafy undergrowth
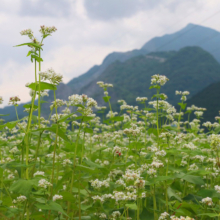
{"x":139,"y":163}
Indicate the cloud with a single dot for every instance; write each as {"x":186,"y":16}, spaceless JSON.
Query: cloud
{"x":54,"y":8}
{"x":88,"y":30}
{"x":116,"y":9}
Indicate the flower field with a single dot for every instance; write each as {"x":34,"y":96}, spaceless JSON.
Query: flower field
{"x":152,"y":161}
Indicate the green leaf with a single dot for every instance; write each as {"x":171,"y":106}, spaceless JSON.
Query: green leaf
{"x":53,"y":129}
{"x":65,"y":117}
{"x":85,"y":169}
{"x":1,"y":172}
{"x":88,"y":130}
{"x":38,"y":59}
{"x":154,"y":87}
{"x":53,"y":206}
{"x":1,"y":115}
{"x":131,"y":206}
{"x":22,"y":187}
{"x":83,"y":217}
{"x":208,"y":193}
{"x":30,"y":105}
{"x":106,"y":98}
{"x":171,"y":193}
{"x":43,"y":86}
{"x":211,"y":215}
{"x":30,"y":44}
{"x":182,"y":105}
{"x":118,"y":118}
{"x":84,"y":118}
{"x":193,"y":179}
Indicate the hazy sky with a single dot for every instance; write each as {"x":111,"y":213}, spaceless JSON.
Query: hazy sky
{"x":88,"y":30}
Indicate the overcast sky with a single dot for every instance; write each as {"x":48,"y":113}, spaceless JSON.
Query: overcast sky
{"x":88,"y":30}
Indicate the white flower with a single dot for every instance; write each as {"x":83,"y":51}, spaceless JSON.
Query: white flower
{"x":1,"y":100}
{"x":57,"y":197}
{"x":21,"y":198}
{"x":217,"y":188}
{"x":14,"y":150}
{"x":207,"y":201}
{"x":66,"y":162}
{"x":39,"y":173}
{"x":44,"y":183}
{"x":159,"y":79}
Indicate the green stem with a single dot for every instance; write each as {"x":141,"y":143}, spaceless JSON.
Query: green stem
{"x":55,"y":146}
{"x":39,"y":107}
{"x":155,"y":203}
{"x":157,"y":113}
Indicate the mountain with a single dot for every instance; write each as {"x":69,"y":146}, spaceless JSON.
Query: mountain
{"x":192,"y":35}
{"x":208,"y":98}
{"x":190,"y":68}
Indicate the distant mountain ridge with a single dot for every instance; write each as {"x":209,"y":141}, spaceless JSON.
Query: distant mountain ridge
{"x":191,"y":35}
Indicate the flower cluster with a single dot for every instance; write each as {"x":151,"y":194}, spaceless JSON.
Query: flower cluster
{"x":47,"y":30}
{"x":52,"y":76}
{"x":159,"y":79}
{"x":1,"y":100}
{"x":14,"y":100}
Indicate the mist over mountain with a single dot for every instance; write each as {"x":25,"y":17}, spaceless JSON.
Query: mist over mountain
{"x":174,"y":55}
{"x":192,"y":35}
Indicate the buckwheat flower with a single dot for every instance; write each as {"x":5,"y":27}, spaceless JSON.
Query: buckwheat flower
{"x":199,"y":157}
{"x":152,"y":172}
{"x":1,"y":100}
{"x":91,"y":102}
{"x":97,"y":198}
{"x":100,"y":83}
{"x":207,"y":201}
{"x":27,"y":32}
{"x":131,"y":175}
{"x":111,"y":114}
{"x":159,"y":79}
{"x":198,"y":113}
{"x":217,"y":188}
{"x":214,"y":140}
{"x":164,"y":216}
{"x":14,"y":150}
{"x":161,"y":153}
{"x":44,"y":183}
{"x":21,"y":198}
{"x":157,"y":164}
{"x":115,"y":215}
{"x":101,"y":215}
{"x":47,"y":30}
{"x":107,"y":196}
{"x":39,"y":173}
{"x":178,"y":92}
{"x":75,"y":99}
{"x":139,"y":183}
{"x":193,"y":167}
{"x":105,"y":162}
{"x":143,"y":195}
{"x":52,"y":76}
{"x":14,"y":100}
{"x":98,"y":184}
{"x":57,"y":197}
{"x":141,"y":99}
{"x":117,"y":151}
{"x":66,"y":162}
{"x":121,"y":182}
{"x":119,"y":196}
{"x":11,"y":176}
{"x":44,"y":93}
